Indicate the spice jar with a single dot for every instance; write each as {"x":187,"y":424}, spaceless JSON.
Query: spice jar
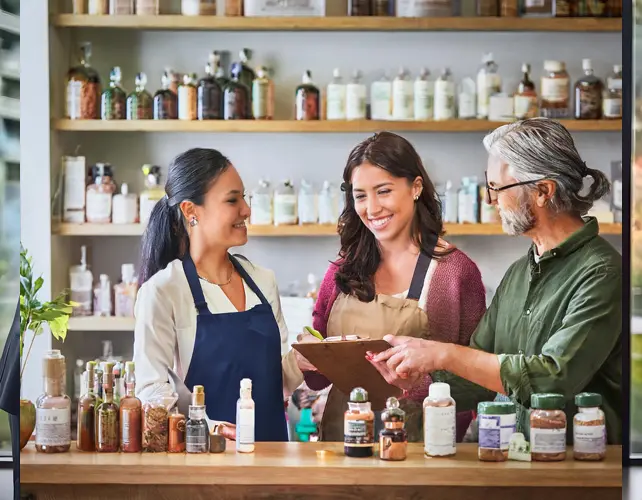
{"x":359,"y":425}
{"x":53,"y":407}
{"x":440,"y":431}
{"x":393,"y":439}
{"x":217,"y":440}
{"x":496,"y":422}
{"x":548,"y":428}
{"x":187,"y":98}
{"x":555,"y":94}
{"x":155,"y":425}
{"x":589,"y":428}
{"x":176,"y":432}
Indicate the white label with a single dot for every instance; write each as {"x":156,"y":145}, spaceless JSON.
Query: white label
{"x":307,"y":208}
{"x":355,"y":101}
{"x":74,"y":99}
{"x":555,"y":89}
{"x":146,"y":207}
{"x":548,"y":440}
{"x":381,"y":100}
{"x":488,"y":84}
{"x":53,"y":427}
{"x":495,"y":431}
{"x":285,"y":209}
{"x":336,"y":102}
{"x":98,"y":206}
{"x":440,"y":430}
{"x":589,"y":438}
{"x":612,"y":108}
{"x":245,"y":426}
{"x":424,"y":99}
{"x":75,"y":188}
{"x":525,"y":106}
{"x":402,"y":100}
{"x":444,"y":100}
{"x":185,"y":104}
{"x":261,"y":209}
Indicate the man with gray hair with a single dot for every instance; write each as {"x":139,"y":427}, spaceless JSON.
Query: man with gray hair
{"x":555,"y":322}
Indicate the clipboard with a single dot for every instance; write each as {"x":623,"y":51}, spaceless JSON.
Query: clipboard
{"x":344,"y":363}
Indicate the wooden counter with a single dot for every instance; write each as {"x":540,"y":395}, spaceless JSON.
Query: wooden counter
{"x":294,"y":470}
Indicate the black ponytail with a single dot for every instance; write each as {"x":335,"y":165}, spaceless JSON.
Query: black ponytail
{"x":189,"y":177}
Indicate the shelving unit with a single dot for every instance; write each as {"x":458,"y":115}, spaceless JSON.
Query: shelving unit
{"x":320,"y":126}
{"x":100,"y":324}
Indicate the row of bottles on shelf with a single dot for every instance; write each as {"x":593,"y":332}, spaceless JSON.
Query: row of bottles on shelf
{"x":101,"y":299}
{"x":249,"y":94}
{"x":399,"y":8}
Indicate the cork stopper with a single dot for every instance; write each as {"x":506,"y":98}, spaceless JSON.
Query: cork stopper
{"x":108,"y":374}
{"x":53,"y":364}
{"x":130,"y":367}
{"x":198,"y":396}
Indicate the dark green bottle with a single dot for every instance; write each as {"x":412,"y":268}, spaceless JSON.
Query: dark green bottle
{"x":114,"y":99}
{"x":139,"y":102}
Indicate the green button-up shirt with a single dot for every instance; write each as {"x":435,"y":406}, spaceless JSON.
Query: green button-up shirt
{"x":556,"y":326}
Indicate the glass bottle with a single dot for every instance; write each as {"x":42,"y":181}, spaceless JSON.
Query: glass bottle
{"x":612,"y":98}
{"x":100,"y":193}
{"x":402,"y":96}
{"x":307,"y":101}
{"x":261,"y":203}
{"x":130,"y":414}
{"x":98,"y":386}
{"x":107,"y":427}
{"x":328,"y":204}
{"x":187,"y":98}
{"x":358,"y":438}
{"x":285,"y":209}
{"x":381,"y":98}
{"x":196,"y":428}
{"x":525,"y":99}
{"x":119,"y":382}
{"x":467,"y":99}
{"x":125,"y":293}
{"x":246,"y":74}
{"x":97,"y":7}
{"x":445,"y":96}
{"x":589,"y":428}
{"x":102,"y":297}
{"x":548,"y":428}
{"x":393,"y":439}
{"x":555,"y":99}
{"x":307,"y":204}
{"x":139,"y":102}
{"x":439,"y":422}
{"x":81,"y":285}
{"x":219,"y":72}
{"x":175,"y":79}
{"x":488,"y":83}
{"x":262,"y":95}
{"x":356,"y":98}
{"x":152,"y":193}
{"x":176,"y":439}
{"x":53,"y":407}
{"x":86,"y":430}
{"x":209,"y":95}
{"x":236,"y":97}
{"x":588,"y":94}
{"x":83,"y":89}
{"x":245,"y":418}
{"x":423,"y":96}
{"x":336,"y":97}
{"x":165,"y":100}
{"x":198,"y":7}
{"x":114,"y":99}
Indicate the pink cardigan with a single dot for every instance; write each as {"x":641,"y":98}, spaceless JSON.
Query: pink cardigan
{"x":455,"y":303}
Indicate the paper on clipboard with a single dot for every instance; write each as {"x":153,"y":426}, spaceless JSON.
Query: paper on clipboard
{"x":344,"y":363}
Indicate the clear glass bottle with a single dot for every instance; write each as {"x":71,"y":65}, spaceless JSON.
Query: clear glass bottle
{"x":131,"y":411}
{"x":307,"y":204}
{"x":588,"y":94}
{"x":165,"y":100}
{"x":381,"y":98}
{"x":307,"y":99}
{"x":147,"y":7}
{"x":102,"y":297}
{"x":424,"y":96}
{"x":245,"y":418}
{"x":152,"y":193}
{"x":124,"y":206}
{"x":53,"y":407}
{"x":125,"y":292}
{"x":100,"y":193}
{"x":83,"y":89}
{"x":196,"y":429}
{"x":548,"y":428}
{"x":445,"y":96}
{"x":488,"y":83}
{"x":139,"y":102}
{"x":450,"y":204}
{"x":328,"y":204}
{"x":525,"y":99}
{"x":356,"y":98}
{"x":612,"y":98}
{"x":336,"y":97}
{"x":555,"y":101}
{"x":358,"y":438}
{"x":262,"y":206}
{"x":440,"y":429}
{"x":107,"y":425}
{"x":82,"y":286}
{"x":114,"y":99}
{"x":402,"y":96}
{"x":209,"y":95}
{"x":285,"y":209}
{"x":187,"y":98}
{"x":86,"y":428}
{"x":262,"y":95}
{"x":393,"y":439}
{"x":589,"y":428}
{"x":121,"y":7}
{"x":382,"y":8}
{"x":236,"y":97}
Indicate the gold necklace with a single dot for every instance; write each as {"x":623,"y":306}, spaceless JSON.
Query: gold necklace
{"x":220,"y":284}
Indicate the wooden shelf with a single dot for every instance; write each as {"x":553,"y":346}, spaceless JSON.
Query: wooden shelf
{"x":347,"y":23}
{"x":318,"y":126}
{"x":100,"y":324}
{"x":288,"y":231}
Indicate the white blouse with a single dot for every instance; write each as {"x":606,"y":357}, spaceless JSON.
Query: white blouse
{"x":165,"y":328}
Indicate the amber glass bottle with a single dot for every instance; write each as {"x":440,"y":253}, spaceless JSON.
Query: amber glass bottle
{"x":209,"y":95}
{"x":236,"y":97}
{"x":131,"y":413}
{"x":307,"y":105}
{"x":83,"y":89}
{"x":107,"y":429}
{"x":588,"y":94}
{"x":86,"y":438}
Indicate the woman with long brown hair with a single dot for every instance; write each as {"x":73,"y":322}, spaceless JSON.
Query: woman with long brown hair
{"x":395,"y":274}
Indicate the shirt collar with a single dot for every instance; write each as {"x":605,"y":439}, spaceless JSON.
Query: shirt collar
{"x":575,"y":241}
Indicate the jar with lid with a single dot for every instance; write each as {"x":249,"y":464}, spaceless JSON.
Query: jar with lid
{"x":155,"y":438}
{"x":548,"y":428}
{"x":114,"y":99}
{"x":588,"y":94}
{"x":358,"y":438}
{"x":285,"y":204}
{"x":165,"y":100}
{"x":612,"y":98}
{"x":100,"y":193}
{"x":187,"y":98}
{"x":393,"y":439}
{"x":589,"y":428}
{"x":496,"y":422}
{"x":555,"y":91}
{"x":139,"y":102}
{"x":83,"y":88}
{"x":440,"y":430}
{"x":209,"y":95}
{"x":53,"y":407}
{"x":236,"y":97}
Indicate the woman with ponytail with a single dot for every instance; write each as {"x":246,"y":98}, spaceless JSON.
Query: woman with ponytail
{"x":206,"y":317}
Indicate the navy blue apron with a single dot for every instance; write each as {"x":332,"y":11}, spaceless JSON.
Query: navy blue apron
{"x":232,"y":346}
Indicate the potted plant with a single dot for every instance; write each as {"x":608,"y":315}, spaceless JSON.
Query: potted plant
{"x":34,"y":314}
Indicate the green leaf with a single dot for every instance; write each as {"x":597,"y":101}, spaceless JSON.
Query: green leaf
{"x":38,"y":285}
{"x":58,"y":327}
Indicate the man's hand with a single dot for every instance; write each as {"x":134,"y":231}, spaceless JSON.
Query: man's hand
{"x":409,"y":358}
{"x":406,"y":382}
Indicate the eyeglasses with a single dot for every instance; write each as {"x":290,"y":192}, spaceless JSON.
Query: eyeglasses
{"x":489,"y":199}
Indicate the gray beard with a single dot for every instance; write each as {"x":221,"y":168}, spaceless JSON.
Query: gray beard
{"x":517,"y":222}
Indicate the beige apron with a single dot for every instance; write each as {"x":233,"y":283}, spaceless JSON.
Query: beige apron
{"x":383,"y":316}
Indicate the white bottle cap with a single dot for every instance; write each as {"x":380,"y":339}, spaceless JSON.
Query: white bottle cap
{"x":553,"y":65}
{"x":586,"y":64}
{"x":127,"y":273}
{"x":246,"y":384}
{"x":617,"y":68}
{"x":124,"y":188}
{"x":439,"y":390}
{"x":336,"y":73}
{"x":104,"y":279}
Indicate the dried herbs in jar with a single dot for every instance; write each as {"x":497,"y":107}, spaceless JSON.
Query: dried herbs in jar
{"x":548,"y":428}
{"x":155,"y":426}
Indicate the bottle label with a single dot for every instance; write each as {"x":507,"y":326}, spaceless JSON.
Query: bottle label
{"x":53,"y":427}
{"x":424,"y":100}
{"x":124,"y":209}
{"x":356,"y":102}
{"x":285,"y":209}
{"x":98,"y":206}
{"x":402,"y":100}
{"x":74,"y":100}
{"x":525,"y":106}
{"x":307,"y":208}
{"x":612,"y":108}
{"x":548,"y":440}
{"x":440,"y":430}
{"x":245,"y":426}
{"x":259,"y":99}
{"x":358,"y":433}
{"x":467,"y":105}
{"x":381,"y":100}
{"x":589,"y":438}
{"x":336,"y":102}
{"x":186,"y":102}
{"x":555,"y":89}
{"x":261,"y":209}
{"x":444,"y":100}
{"x":495,"y":431}
{"x":488,"y":84}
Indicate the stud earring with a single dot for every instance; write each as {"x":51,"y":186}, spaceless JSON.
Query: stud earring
{"x":193,"y":221}
{"x":416,"y":197}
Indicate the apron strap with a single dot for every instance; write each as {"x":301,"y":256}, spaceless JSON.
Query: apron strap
{"x":421,"y":269}
{"x":195,"y":285}
{"x":250,"y":282}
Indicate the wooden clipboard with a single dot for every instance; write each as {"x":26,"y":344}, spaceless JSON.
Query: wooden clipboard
{"x":344,"y":363}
